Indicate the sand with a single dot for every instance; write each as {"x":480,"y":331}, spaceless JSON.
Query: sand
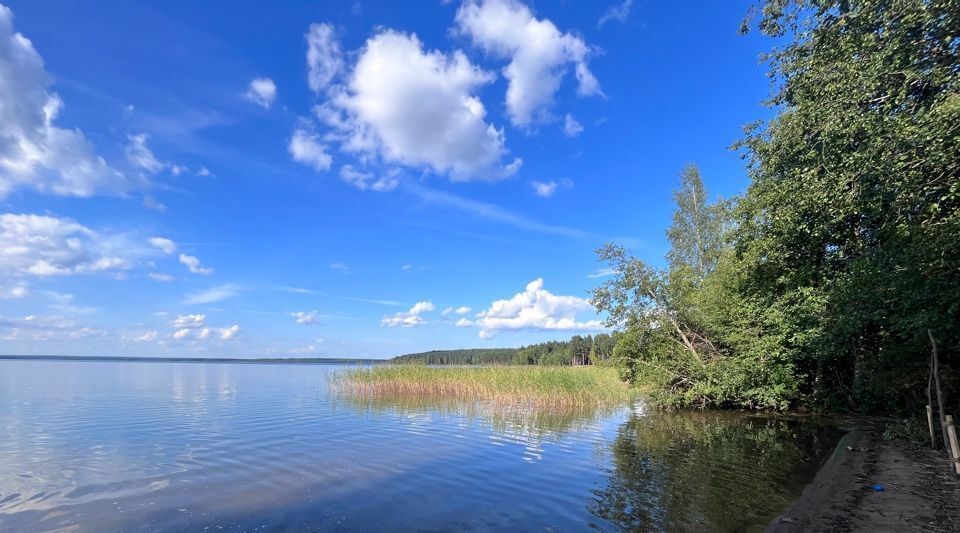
{"x":920,"y":492}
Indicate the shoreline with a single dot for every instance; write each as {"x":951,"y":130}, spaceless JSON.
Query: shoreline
{"x":920,"y":491}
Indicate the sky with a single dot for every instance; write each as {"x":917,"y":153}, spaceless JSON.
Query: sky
{"x":347,"y":179}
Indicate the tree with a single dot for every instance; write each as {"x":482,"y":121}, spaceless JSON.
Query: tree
{"x":848,"y":238}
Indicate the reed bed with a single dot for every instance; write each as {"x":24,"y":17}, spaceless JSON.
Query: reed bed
{"x":527,"y":385}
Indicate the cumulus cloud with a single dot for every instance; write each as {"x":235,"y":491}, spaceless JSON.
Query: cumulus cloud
{"x":399,"y":104}
{"x":306,"y":318}
{"x":34,"y":152}
{"x":464,"y":323}
{"x":163,"y":244}
{"x":408,"y":319}
{"x":387,"y":181}
{"x":37,"y":245}
{"x":546,"y":189}
{"x":262,"y":91}
{"x":14,"y":293}
{"x":160,"y":276}
{"x":538,"y":309}
{"x":148,"y":336}
{"x":618,"y":12}
{"x":193,"y":264}
{"x":229,"y":333}
{"x":324,"y":59}
{"x":46,"y":328}
{"x":225,"y":334}
{"x":571,"y":128}
{"x":462,"y":310}
{"x":305,"y":147}
{"x":189,"y":321}
{"x":539,"y":54}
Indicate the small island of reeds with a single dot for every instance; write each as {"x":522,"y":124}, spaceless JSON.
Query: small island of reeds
{"x":534,"y":385}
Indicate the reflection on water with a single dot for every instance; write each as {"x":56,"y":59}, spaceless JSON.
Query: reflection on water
{"x":705,"y":471}
{"x":160,"y":446}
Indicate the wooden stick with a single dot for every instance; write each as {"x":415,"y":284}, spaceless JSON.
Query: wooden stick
{"x":936,"y":381}
{"x":954,"y":448}
{"x":933,"y":441}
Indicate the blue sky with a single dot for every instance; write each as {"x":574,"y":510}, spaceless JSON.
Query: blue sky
{"x":346,"y":178}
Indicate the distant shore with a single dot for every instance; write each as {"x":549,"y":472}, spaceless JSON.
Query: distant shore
{"x":220,"y":360}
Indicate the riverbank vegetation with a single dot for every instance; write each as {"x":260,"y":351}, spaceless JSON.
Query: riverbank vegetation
{"x":818,"y":286}
{"x":529,"y":385}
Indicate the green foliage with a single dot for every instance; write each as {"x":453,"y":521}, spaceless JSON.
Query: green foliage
{"x":850,"y":231}
{"x":473,"y":356}
{"x":578,"y":350}
{"x":818,"y":287}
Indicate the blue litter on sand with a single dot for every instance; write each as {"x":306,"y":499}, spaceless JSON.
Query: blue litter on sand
{"x":878,"y":488}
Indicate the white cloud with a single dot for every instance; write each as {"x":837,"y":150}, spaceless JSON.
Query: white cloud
{"x":165,"y":245}
{"x":45,"y":328}
{"x":601,"y":273}
{"x":336,"y":265}
{"x":324,"y":59}
{"x":14,"y":293}
{"x":408,"y":319}
{"x":204,"y":172}
{"x":539,"y":55}
{"x":224,"y":334}
{"x":262,"y":91}
{"x":148,"y":336}
{"x":406,"y":268}
{"x":229,"y":333}
{"x":546,"y":189}
{"x":305,"y":147}
{"x":34,"y":152}
{"x":536,"y":308}
{"x":305,"y":317}
{"x":193,"y":264}
{"x":141,"y":156}
{"x":160,"y":276}
{"x":416,"y":108}
{"x":189,"y":321}
{"x":464,"y":323}
{"x":571,"y":128}
{"x":463,"y":310}
{"x":388,"y":181}
{"x":212,"y":295}
{"x":618,"y":12}
{"x":36,"y":245}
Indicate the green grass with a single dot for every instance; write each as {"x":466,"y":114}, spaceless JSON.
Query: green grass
{"x":532,"y":385}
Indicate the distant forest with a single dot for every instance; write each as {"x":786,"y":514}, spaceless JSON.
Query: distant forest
{"x":579,"y":350}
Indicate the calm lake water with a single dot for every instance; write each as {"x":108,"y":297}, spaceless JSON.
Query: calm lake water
{"x":104,"y":446}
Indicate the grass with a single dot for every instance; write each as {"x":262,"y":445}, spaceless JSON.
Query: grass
{"x":529,"y":385}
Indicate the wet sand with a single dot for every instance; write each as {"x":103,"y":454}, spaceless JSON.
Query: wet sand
{"x":920,"y":491}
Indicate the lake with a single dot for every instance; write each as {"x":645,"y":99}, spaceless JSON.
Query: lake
{"x":141,"y":446}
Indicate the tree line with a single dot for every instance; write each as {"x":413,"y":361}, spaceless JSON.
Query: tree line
{"x":822,"y":284}
{"x":579,"y":350}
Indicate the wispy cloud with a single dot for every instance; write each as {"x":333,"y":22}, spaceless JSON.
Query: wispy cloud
{"x":601,"y":273}
{"x":491,"y":212}
{"x":618,"y":12}
{"x":303,"y":290}
{"x":215,"y":294}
